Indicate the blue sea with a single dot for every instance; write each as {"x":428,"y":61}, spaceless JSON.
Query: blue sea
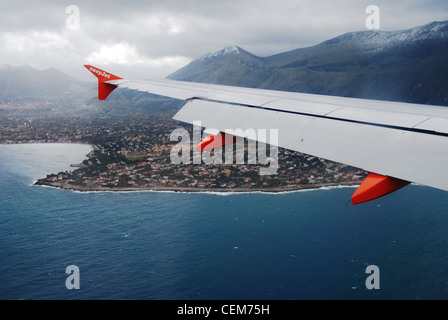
{"x":203,"y":246}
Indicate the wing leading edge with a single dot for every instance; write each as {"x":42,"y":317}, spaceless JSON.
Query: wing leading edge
{"x":400,"y":142}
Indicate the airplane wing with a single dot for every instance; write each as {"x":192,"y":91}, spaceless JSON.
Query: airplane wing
{"x":397,"y":142}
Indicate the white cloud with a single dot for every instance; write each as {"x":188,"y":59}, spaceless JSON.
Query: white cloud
{"x":119,"y":53}
{"x":160,"y":36}
{"x":159,"y":24}
{"x":125,"y":54}
{"x":33,"y":42}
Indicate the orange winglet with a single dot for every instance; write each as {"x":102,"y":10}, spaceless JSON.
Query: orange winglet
{"x":375,"y":186}
{"x":221,"y":139}
{"x":206,"y":142}
{"x":104,"y":89}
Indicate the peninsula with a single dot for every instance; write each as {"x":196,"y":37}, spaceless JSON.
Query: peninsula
{"x":134,"y":154}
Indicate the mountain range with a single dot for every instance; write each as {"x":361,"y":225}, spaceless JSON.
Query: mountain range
{"x":25,"y":82}
{"x":409,"y":65}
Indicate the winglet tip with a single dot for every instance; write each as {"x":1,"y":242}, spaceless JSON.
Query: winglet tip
{"x":104,"y":89}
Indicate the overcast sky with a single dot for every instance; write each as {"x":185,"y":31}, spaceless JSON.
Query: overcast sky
{"x":150,"y":39}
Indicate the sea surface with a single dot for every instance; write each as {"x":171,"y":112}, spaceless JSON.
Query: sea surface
{"x":165,"y":245}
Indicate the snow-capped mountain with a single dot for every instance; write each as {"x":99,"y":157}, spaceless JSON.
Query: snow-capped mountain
{"x":231,"y":65}
{"x":406,"y":65}
{"x":381,"y":40}
{"x":227,"y":50}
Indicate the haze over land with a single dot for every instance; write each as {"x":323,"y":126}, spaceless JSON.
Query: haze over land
{"x":409,"y":66}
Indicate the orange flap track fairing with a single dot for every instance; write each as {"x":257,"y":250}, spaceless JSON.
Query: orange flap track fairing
{"x":375,"y":186}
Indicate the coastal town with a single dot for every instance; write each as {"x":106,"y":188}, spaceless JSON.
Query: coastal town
{"x":133,"y":153}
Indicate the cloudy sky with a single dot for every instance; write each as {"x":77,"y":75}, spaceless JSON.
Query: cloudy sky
{"x":150,"y":39}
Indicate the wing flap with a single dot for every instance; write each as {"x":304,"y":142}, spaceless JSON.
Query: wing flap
{"x":407,"y":155}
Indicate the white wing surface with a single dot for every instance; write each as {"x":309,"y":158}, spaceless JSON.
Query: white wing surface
{"x":404,"y":141}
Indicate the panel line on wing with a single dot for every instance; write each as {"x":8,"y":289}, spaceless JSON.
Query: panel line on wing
{"x":421,"y":122}
{"x":326,"y":115}
{"x":396,"y":127}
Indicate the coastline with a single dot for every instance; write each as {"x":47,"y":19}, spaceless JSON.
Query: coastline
{"x":67,"y":186}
